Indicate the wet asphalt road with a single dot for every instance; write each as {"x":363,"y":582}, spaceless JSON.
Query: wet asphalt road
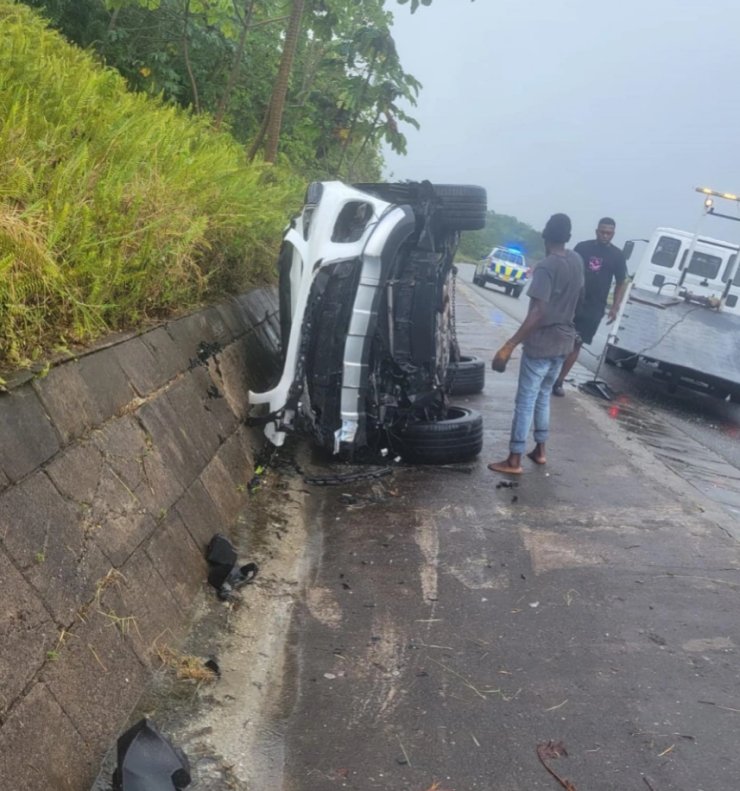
{"x":713,"y":423}
{"x":450,"y":625}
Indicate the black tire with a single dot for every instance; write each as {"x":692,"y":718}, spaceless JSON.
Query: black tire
{"x":466,"y":376}
{"x":517,"y":292}
{"x":458,"y":437}
{"x":463,"y":207}
{"x":621,"y":357}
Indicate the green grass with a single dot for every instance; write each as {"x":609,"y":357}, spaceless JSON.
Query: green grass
{"x":114,"y":208}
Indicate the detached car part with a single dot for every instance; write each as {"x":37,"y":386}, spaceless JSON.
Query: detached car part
{"x":366,"y":314}
{"x":147,"y":761}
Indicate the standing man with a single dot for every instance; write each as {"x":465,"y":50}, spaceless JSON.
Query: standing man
{"x":548,"y":335}
{"x":603,"y":263}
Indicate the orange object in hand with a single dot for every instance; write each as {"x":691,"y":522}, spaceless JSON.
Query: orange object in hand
{"x":502,"y":357}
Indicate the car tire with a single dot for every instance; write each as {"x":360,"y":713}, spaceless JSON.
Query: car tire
{"x":463,"y":207}
{"x":466,"y":376}
{"x":516,"y":292}
{"x":457,"y":437}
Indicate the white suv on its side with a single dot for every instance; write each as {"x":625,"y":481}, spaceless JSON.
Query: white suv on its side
{"x":366,"y":297}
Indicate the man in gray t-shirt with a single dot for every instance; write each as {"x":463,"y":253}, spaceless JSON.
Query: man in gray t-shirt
{"x":548,"y":335}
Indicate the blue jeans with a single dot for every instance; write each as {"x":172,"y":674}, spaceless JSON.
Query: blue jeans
{"x":536,"y":378}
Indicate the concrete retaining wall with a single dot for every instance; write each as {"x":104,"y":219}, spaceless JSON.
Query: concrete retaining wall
{"x":116,"y":468}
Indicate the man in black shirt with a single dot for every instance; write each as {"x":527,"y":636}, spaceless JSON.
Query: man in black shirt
{"x":603,"y":262}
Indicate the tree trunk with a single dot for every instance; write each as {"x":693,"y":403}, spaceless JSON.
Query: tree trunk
{"x":223,"y":104}
{"x":186,"y":55}
{"x":280,"y":91}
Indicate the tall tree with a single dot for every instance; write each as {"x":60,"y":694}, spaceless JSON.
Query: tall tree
{"x":280,"y":91}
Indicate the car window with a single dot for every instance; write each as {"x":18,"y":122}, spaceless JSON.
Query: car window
{"x":352,"y":221}
{"x":508,"y":256}
{"x":705,"y":265}
{"x":666,"y":251}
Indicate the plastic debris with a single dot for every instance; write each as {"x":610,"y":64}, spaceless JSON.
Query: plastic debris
{"x":224,"y":573}
{"x":147,"y":761}
{"x":260,"y":471}
{"x":507,"y":485}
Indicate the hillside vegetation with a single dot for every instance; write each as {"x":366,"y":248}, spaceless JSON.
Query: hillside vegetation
{"x":501,"y":229}
{"x":114,"y":208}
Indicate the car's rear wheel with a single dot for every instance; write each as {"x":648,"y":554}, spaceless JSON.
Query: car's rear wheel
{"x":517,"y":291}
{"x":462,"y":207}
{"x":455,"y":438}
{"x":465,"y":376}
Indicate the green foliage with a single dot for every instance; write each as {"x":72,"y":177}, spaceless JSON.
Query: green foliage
{"x":114,"y":208}
{"x":347,"y":92}
{"x":416,"y":3}
{"x":501,"y":229}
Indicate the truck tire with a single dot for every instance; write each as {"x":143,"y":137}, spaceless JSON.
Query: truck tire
{"x":457,"y":437}
{"x":467,"y":376}
{"x":463,"y":207}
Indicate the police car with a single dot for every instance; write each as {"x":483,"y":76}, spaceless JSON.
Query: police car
{"x":504,"y":266}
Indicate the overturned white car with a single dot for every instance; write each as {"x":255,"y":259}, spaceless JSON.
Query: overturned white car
{"x":366,"y":311}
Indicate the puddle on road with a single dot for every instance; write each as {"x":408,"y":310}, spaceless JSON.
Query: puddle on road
{"x":697,"y":464}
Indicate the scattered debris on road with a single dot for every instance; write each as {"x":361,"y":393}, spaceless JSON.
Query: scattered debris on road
{"x":224,"y":574}
{"x":551,"y":750}
{"x":147,"y":761}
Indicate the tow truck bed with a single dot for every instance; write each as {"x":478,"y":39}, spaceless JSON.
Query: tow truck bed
{"x":696,"y":342}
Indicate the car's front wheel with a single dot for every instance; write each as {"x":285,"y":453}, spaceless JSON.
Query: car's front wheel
{"x":457,"y":437}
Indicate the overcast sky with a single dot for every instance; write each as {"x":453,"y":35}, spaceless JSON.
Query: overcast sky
{"x":583,"y":106}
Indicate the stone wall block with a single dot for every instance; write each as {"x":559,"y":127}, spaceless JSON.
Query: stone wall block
{"x":136,"y":460}
{"x":188,"y":399}
{"x":58,"y":758}
{"x":223,"y":489}
{"x":26,"y":629}
{"x":46,"y":538}
{"x":234,"y":378}
{"x":169,"y":358}
{"x":140,"y":596}
{"x":172,"y":439}
{"x":140,"y":365}
{"x":97,"y":678}
{"x":200,"y":516}
{"x":178,"y":560}
{"x":209,"y":387}
{"x":27,"y":437}
{"x":233,"y":316}
{"x":107,"y":383}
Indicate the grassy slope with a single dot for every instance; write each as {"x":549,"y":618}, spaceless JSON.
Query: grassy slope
{"x":113,"y":207}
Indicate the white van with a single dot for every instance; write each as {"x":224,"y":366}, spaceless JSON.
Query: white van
{"x":682,"y":313}
{"x":712,"y":271}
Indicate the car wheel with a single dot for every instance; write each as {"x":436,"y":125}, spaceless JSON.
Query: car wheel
{"x":516,"y":292}
{"x":507,"y":290}
{"x":455,"y":438}
{"x":465,"y":376}
{"x":463,"y":207}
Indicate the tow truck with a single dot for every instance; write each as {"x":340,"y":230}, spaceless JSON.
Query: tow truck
{"x":681,"y":314}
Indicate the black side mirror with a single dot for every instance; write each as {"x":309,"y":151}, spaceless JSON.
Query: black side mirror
{"x":629,"y":246}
